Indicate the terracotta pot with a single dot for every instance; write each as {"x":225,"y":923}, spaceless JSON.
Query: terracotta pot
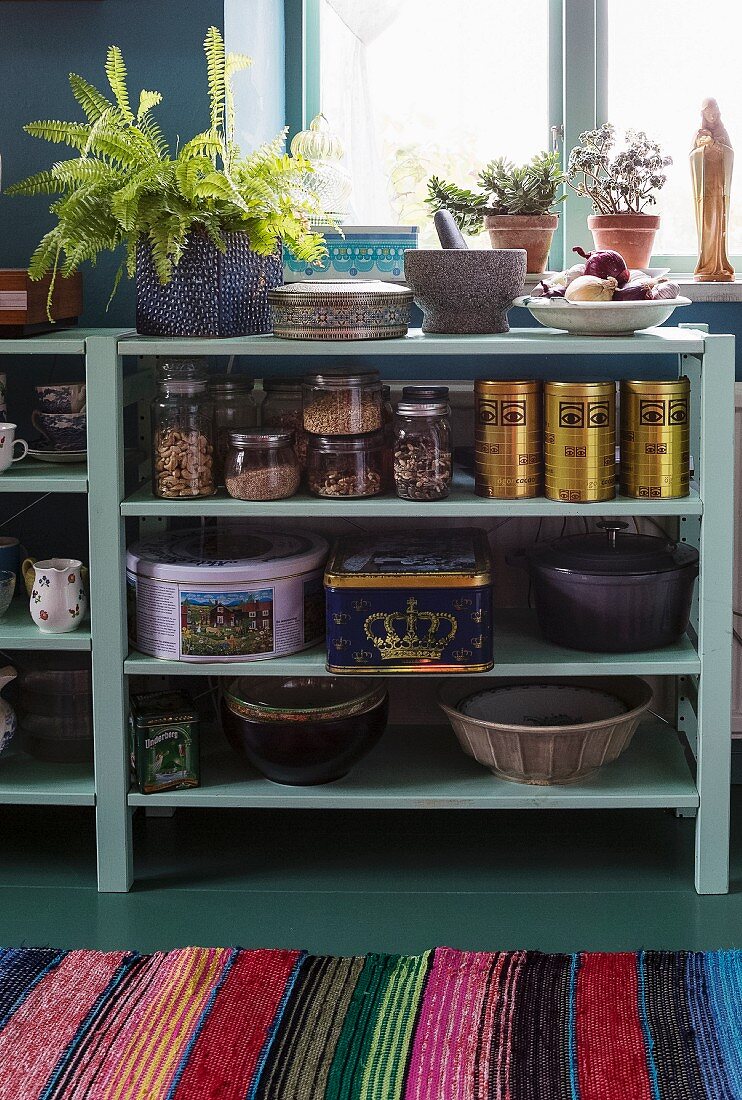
{"x":630,"y":234}
{"x":533,"y":232}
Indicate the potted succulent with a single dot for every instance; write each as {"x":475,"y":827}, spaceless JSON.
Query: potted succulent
{"x":514,"y":205}
{"x":202,"y":230}
{"x":620,"y":188}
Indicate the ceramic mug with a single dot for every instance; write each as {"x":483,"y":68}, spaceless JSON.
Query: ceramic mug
{"x":62,"y":397}
{"x":8,"y":444}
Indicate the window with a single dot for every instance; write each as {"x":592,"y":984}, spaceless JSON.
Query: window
{"x":423,"y":87}
{"x":692,"y":51}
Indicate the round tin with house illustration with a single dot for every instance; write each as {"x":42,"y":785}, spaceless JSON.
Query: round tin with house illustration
{"x":240,"y":593}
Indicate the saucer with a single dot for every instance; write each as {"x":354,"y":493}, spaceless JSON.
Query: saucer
{"x":45,"y":452}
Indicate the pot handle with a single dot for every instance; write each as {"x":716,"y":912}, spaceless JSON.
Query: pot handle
{"x":611,"y":528}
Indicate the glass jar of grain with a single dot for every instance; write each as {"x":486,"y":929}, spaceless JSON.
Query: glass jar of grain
{"x":422,"y":450}
{"x":339,"y":403}
{"x":261,"y":465}
{"x":346,"y":466}
{"x":182,"y":433}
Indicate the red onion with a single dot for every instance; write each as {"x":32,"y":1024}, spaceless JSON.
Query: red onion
{"x":548,"y":291}
{"x":604,"y":264}
{"x":635,"y":292}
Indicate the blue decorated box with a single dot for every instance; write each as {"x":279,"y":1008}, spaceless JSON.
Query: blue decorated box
{"x":359,"y":252}
{"x":417,"y":602}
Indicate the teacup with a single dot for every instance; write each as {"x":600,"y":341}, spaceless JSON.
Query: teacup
{"x":63,"y":397}
{"x":8,"y":443}
{"x":65,"y":431}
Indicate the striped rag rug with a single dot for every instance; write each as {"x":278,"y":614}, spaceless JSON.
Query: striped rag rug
{"x":220,"y":1023}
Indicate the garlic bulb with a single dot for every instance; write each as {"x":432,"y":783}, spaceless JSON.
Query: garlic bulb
{"x":589,"y":288}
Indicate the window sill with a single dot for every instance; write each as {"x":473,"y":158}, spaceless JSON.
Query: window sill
{"x":708,"y":292}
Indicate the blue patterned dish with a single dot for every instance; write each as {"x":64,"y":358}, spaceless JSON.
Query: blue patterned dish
{"x":65,"y":431}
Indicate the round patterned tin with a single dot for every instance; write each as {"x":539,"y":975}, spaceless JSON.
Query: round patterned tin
{"x":342,"y":310}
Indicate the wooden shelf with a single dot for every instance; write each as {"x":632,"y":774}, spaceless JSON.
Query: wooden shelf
{"x":26,"y":781}
{"x":424,"y":768}
{"x":461,"y":502}
{"x":19,"y":631}
{"x":520,"y":650}
{"x":31,"y":476}
{"x":519,"y":341}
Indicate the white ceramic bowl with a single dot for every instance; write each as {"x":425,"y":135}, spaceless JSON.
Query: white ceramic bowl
{"x":600,"y":318}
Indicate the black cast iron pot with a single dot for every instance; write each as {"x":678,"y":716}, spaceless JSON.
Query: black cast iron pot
{"x":611,"y":591}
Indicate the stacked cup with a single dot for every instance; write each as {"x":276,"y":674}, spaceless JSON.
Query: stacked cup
{"x":655,"y":443}
{"x":508,"y":438}
{"x":61,"y":416}
{"x":580,"y":441}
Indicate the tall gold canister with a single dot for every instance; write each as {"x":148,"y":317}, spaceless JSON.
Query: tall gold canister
{"x":580,"y":441}
{"x":508,"y":438}
{"x":655,"y":439}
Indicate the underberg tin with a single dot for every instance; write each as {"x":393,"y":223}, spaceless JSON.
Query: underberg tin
{"x":508,"y":438}
{"x":163,"y":741}
{"x":240,"y":593}
{"x":417,"y":602}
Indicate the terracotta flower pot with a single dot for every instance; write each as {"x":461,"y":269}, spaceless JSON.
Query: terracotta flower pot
{"x":533,"y":232}
{"x":630,"y":234}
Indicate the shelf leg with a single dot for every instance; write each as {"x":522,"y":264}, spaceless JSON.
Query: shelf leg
{"x":108,"y":614}
{"x":714,"y":750}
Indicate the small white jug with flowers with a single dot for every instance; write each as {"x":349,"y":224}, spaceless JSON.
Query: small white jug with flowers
{"x":58,"y":600}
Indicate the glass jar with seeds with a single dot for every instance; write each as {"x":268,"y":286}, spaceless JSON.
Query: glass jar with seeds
{"x":422,"y":450}
{"x":261,"y":465}
{"x":182,"y":433}
{"x":339,"y":403}
{"x":346,"y":465}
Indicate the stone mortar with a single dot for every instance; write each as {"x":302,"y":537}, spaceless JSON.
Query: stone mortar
{"x":463,"y":291}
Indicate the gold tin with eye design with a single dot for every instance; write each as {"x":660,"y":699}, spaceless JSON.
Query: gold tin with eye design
{"x":580,"y":440}
{"x":508,"y":438}
{"x":655,"y":439}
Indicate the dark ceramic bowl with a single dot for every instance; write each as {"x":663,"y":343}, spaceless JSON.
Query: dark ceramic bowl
{"x":305,"y":730}
{"x":65,"y":431}
{"x":465,"y":291}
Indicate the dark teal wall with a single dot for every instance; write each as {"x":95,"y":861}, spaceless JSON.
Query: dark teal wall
{"x":41,"y":41}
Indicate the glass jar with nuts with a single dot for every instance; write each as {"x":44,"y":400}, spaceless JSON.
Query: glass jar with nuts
{"x":346,"y":465}
{"x":183,"y":434}
{"x":339,"y":403}
{"x":261,"y":465}
{"x":422,"y":450}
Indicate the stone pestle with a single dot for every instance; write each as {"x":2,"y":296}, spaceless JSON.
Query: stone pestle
{"x":448,"y":231}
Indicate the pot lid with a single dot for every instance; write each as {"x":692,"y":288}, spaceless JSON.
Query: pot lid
{"x":613,"y":549}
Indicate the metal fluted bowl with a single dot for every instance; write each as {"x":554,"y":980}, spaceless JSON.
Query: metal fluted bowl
{"x":557,"y":749}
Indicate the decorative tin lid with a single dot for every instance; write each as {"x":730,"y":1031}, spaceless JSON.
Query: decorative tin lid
{"x":152,"y":708}
{"x":338,"y":291}
{"x":235,"y":555}
{"x":440,"y":559}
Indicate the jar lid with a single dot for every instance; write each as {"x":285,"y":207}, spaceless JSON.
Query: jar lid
{"x":346,"y":443}
{"x":182,"y":370}
{"x":341,"y":378}
{"x":256,"y":437}
{"x":425,"y":393}
{"x":230,"y":384}
{"x":420,"y":408}
{"x":240,"y":553}
{"x":614,"y":550}
{"x":193,"y":386}
{"x":302,"y":698}
{"x":283,"y":385}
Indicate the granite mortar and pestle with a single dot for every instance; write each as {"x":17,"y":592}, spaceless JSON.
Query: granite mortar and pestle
{"x":461,"y":290}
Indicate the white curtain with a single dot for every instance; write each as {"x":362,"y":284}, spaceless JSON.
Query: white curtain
{"x":348,"y":103}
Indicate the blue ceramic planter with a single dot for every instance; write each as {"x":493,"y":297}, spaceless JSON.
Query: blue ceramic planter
{"x":211,"y":293}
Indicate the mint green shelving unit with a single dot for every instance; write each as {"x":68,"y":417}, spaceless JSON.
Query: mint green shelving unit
{"x":686,"y":768}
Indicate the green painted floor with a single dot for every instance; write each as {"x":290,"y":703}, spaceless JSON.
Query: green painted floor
{"x":357,"y":882}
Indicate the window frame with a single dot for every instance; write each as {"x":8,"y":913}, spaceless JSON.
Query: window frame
{"x":578,"y":99}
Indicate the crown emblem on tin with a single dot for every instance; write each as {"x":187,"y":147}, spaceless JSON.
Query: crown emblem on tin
{"x":362,"y":657}
{"x":476,"y":616}
{"x":422,"y":638}
{"x":340,"y":618}
{"x":461,"y":605}
{"x":360,"y":605}
{"x":461,"y":654}
{"x":478,"y":641}
{"x":341,"y":643}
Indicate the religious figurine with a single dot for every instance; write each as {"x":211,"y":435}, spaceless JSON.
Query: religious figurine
{"x":711,"y":163}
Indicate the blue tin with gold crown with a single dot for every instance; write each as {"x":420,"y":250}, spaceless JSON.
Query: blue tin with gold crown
{"x":417,"y":602}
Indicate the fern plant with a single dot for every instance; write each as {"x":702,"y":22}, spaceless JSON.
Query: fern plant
{"x":125,"y":187}
{"x":505,"y":189}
